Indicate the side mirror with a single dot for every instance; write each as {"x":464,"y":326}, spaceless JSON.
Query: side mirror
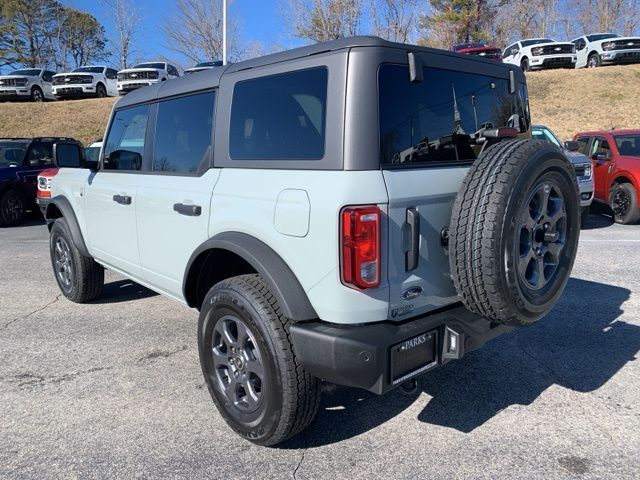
{"x":572,"y":145}
{"x":513,"y":51}
{"x":68,"y":155}
{"x":601,"y":157}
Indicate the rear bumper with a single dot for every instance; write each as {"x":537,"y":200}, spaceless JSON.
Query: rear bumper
{"x":361,"y":356}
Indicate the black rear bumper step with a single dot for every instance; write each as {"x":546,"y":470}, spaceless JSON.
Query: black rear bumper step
{"x":363,"y":356}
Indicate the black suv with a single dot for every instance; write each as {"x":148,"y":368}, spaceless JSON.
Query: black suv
{"x":21,"y":160}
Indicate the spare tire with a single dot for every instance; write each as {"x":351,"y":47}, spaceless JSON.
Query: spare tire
{"x":514,"y":231}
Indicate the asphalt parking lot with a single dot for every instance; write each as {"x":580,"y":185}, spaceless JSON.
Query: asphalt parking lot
{"x":114,"y":388}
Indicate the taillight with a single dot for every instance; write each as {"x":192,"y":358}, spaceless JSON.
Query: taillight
{"x":360,"y":246}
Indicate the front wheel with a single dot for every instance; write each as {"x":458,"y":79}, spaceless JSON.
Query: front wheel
{"x":79,"y":277}
{"x":623,"y":200}
{"x":249,"y":364}
{"x":525,"y":65}
{"x":12,"y":208}
{"x":594,"y":61}
{"x":101,"y":91}
{"x":37,"y":95}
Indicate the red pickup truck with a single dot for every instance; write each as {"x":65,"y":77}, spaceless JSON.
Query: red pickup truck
{"x":616,"y":169}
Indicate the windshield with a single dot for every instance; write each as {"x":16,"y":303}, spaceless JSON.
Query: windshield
{"x":602,"y":36}
{"x":89,"y":70}
{"x":156,"y":65}
{"x":528,"y":43}
{"x":441,"y":118}
{"x":11,"y":153}
{"x":462,"y":46}
{"x":628,"y":145}
{"x":545,"y":134}
{"x":33,"y":72}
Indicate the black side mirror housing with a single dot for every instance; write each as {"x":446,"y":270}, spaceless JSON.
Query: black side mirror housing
{"x":601,"y":157}
{"x":68,"y":155}
{"x":572,"y":145}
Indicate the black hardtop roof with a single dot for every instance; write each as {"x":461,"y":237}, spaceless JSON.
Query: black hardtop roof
{"x":38,"y":139}
{"x":210,"y":78}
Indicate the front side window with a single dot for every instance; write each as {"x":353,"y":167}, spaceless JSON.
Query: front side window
{"x":437,"y":120}
{"x":583,"y":144}
{"x":183,"y":134}
{"x":280,"y":117}
{"x":124,"y":147}
{"x":601,"y":147}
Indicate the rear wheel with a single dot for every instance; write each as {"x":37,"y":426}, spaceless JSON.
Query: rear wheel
{"x":514,"y":232}
{"x":594,"y":60}
{"x":623,"y":200}
{"x":79,"y":277}
{"x":249,"y":364}
{"x":12,"y":208}
{"x":36,"y":94}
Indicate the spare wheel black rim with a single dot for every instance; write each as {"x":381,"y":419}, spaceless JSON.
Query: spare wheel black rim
{"x":13,"y":207}
{"x":63,"y":263}
{"x":238,"y":365}
{"x":542,"y":235}
{"x":621,"y":203}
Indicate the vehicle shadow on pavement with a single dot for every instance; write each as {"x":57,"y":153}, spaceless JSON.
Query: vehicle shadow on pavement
{"x":580,"y":345}
{"x":599,"y":220}
{"x":122,"y":291}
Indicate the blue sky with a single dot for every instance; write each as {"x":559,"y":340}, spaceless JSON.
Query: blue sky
{"x":260,"y":20}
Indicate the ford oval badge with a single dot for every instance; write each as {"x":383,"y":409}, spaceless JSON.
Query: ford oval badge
{"x":411,"y":292}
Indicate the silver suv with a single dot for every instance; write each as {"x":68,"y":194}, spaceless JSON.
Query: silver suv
{"x":359,"y":212}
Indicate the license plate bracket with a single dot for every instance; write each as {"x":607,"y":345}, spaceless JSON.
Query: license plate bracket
{"x":413,"y":356}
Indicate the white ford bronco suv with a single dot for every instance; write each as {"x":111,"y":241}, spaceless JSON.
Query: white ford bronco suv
{"x":357,"y":212}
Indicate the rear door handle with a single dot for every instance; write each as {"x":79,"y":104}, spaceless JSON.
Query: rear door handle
{"x":189,"y":210}
{"x":412,"y":255}
{"x":122,"y":199}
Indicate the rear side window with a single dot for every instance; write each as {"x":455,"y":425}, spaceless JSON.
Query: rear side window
{"x":435,"y":120}
{"x":183,"y":134}
{"x":280,"y":117}
{"x":124,"y":147}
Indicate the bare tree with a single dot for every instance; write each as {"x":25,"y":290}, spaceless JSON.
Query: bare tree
{"x":195,"y":30}
{"x":395,"y":20}
{"x":324,"y":20}
{"x":126,"y":17}
{"x":631,"y":22}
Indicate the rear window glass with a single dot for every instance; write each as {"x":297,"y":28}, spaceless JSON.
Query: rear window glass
{"x":280,"y":117}
{"x":435,"y":120}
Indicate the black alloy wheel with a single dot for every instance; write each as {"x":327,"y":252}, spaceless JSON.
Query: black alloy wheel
{"x":543,"y":229}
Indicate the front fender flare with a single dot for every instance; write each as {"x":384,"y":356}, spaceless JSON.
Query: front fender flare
{"x":65,"y":208}
{"x":276,"y":273}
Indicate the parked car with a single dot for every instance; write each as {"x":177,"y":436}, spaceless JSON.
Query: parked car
{"x":479,"y":49}
{"x":27,"y":84}
{"x":43,"y":195}
{"x":616,"y":166}
{"x":90,"y":81}
{"x":21,"y":160}
{"x":204,"y":66}
{"x":581,"y":164}
{"x":540,"y":53}
{"x":308,"y":250}
{"x":606,"y":49}
{"x":145,"y":74}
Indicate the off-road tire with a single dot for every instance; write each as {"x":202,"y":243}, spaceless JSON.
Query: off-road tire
{"x":101,"y":91}
{"x":485,"y":235}
{"x":594,"y":60}
{"x":36,"y":94}
{"x":86,"y":276}
{"x":631,"y":213}
{"x":290,"y":396}
{"x":12,"y":208}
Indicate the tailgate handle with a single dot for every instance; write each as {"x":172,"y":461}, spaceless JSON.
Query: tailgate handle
{"x":411,"y":255}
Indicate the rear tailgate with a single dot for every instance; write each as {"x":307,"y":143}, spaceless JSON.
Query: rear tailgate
{"x":427,"y":195}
